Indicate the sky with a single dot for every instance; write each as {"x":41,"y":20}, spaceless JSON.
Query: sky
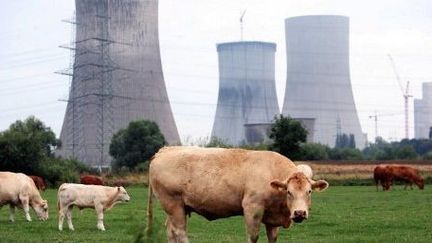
{"x":32,"y":31}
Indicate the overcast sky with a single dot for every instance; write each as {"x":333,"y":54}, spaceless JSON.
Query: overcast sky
{"x":31,"y":31}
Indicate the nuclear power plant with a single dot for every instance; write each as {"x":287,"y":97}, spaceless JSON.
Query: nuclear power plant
{"x":423,"y":112}
{"x":247,"y":100}
{"x":116,"y":77}
{"x":318,"y":82}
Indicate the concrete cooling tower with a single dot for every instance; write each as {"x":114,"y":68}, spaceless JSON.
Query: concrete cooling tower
{"x":423,"y":113}
{"x":247,"y":93}
{"x":318,"y":77}
{"x":117,"y":77}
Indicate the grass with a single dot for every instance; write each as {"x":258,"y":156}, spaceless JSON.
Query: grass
{"x":340,"y":214}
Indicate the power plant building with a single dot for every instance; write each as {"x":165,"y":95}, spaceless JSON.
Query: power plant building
{"x":423,"y":113}
{"x":318,"y":82}
{"x":116,"y":77}
{"x":247,"y":92}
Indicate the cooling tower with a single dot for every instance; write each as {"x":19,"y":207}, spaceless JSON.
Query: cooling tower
{"x":247,"y":93}
{"x":318,"y":77}
{"x":117,"y":77}
{"x":423,"y":113}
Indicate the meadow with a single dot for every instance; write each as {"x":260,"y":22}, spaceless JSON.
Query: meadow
{"x":340,"y":214}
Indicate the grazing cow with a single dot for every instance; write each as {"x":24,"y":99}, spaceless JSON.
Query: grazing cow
{"x":17,"y":189}
{"x":91,"y":180}
{"x":306,"y":169}
{"x":39,"y":182}
{"x":100,"y":198}
{"x":405,"y":173}
{"x":382,"y":175}
{"x":264,"y":186}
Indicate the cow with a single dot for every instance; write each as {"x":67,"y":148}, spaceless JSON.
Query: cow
{"x":263,"y":186}
{"x":91,"y":180}
{"x":39,"y":182}
{"x":19,"y":190}
{"x":306,"y":169}
{"x":405,"y":173}
{"x":382,"y":175}
{"x":100,"y":198}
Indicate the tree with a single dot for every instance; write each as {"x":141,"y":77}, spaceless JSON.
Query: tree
{"x":314,"y":151}
{"x":287,"y":135}
{"x":135,"y":144}
{"x":25,"y":144}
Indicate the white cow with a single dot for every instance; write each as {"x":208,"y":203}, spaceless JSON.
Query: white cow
{"x":100,"y":198}
{"x":306,"y":169}
{"x":17,"y":189}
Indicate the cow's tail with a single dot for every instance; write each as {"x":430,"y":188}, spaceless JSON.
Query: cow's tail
{"x":148,"y":229}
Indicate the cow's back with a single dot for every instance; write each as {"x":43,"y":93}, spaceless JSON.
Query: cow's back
{"x":213,"y":181}
{"x":12,"y":184}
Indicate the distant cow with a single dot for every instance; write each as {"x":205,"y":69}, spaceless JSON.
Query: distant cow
{"x":405,"y":173}
{"x":101,"y":198}
{"x":382,"y":176}
{"x":91,"y":180}
{"x":40,"y":183}
{"x":264,"y":186}
{"x":17,"y":189}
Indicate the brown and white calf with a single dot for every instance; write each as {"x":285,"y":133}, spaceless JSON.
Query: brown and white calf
{"x":19,"y":190}
{"x":100,"y":198}
{"x":263,"y":186}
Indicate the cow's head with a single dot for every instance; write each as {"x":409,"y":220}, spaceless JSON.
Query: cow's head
{"x":298,"y":189}
{"x":122,"y":194}
{"x":41,"y":209}
{"x":420,"y":183}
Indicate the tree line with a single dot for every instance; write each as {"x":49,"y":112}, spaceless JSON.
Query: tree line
{"x":28,"y":146}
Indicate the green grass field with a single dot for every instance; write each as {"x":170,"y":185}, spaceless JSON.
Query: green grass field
{"x":340,"y":214}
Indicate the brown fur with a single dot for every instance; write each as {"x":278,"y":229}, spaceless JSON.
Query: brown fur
{"x":91,"y":180}
{"x":39,"y":182}
{"x":386,"y":174}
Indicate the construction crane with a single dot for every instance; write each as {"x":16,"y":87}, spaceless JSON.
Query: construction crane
{"x":375,"y":117}
{"x":241,"y":24}
{"x":405,"y":94}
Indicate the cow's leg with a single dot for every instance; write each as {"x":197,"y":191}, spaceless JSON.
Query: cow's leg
{"x":177,"y":221}
{"x":69,"y":217}
{"x":62,"y":214}
{"x":12,"y":212}
{"x":25,"y":204}
{"x":100,"y":216}
{"x":253,"y":215}
{"x":170,"y":232}
{"x":272,"y":233}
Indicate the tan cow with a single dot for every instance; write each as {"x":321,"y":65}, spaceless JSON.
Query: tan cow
{"x":17,"y":189}
{"x":306,"y":169}
{"x":100,"y":198}
{"x":216,"y":183}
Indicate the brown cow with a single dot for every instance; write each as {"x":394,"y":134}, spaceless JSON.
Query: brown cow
{"x":405,"y":173}
{"x":39,"y":182}
{"x":264,"y":186}
{"x":382,"y":175}
{"x":91,"y":180}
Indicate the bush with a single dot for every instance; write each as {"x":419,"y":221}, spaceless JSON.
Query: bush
{"x":57,"y":171}
{"x":216,"y":142}
{"x":137,"y":143}
{"x":345,"y":154}
{"x":314,"y":151}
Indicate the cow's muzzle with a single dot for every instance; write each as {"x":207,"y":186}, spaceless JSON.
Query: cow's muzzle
{"x":299,"y":216}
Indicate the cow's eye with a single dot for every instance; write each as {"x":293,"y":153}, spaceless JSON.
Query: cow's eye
{"x":289,"y":193}
{"x":310,"y":191}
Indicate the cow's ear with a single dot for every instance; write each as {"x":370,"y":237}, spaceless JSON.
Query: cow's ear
{"x":278,"y":185}
{"x":319,"y":185}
